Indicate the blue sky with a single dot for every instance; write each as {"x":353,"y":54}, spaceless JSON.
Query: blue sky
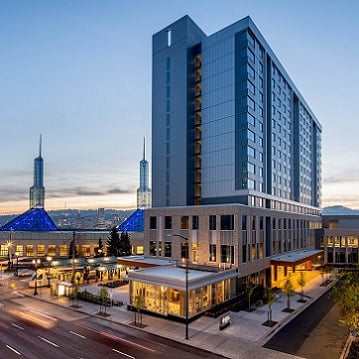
{"x":79,"y":72}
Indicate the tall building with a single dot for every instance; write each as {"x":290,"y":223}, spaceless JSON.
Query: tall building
{"x":37,"y":191}
{"x":229,"y":124}
{"x":144,"y":191}
{"x":236,"y":171}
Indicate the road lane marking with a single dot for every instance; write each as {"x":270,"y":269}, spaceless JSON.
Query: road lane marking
{"x":48,"y":341}
{"x":14,"y":350}
{"x":79,"y":335}
{"x":17,"y":326}
{"x":126,"y":341}
{"x":126,"y":355}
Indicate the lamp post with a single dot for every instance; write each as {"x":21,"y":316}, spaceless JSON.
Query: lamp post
{"x":36,"y":263}
{"x":17,"y":264}
{"x":186,"y":293}
{"x":49,"y":259}
{"x":9,"y":244}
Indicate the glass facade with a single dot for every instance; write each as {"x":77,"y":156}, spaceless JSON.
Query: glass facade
{"x":254,"y":135}
{"x":170,"y":301}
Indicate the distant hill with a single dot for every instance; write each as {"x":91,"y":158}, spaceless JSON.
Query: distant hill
{"x":340,"y":210}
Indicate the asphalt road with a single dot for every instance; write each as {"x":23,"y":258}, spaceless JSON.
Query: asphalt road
{"x":313,"y":334}
{"x":27,"y":330}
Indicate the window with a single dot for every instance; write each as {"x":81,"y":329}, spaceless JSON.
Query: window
{"x":251,"y":168}
{"x":168,"y":249}
{"x":184,"y":222}
{"x":227,"y":222}
{"x":251,"y":151}
{"x":251,"y":119}
{"x":153,"y":222}
{"x":251,"y":71}
{"x":194,"y":222}
{"x":251,"y":56}
{"x":153,"y":248}
{"x":212,"y":222}
{"x":251,"y":87}
{"x":251,"y":135}
{"x":227,"y":254}
{"x":251,"y":39}
{"x":184,"y":250}
{"x":212,"y":252}
{"x":253,"y":226}
{"x":168,"y":63}
{"x":261,"y":82}
{"x":169,"y":37}
{"x":261,"y":53}
{"x":251,"y":103}
{"x":168,"y":222}
{"x":244,"y":223}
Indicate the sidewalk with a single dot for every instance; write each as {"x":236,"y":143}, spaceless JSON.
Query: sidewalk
{"x":242,"y":339}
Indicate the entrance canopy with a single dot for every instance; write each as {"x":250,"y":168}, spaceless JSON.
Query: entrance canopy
{"x":296,"y":257}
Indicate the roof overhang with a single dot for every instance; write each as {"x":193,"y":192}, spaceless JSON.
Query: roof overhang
{"x":296,"y":257}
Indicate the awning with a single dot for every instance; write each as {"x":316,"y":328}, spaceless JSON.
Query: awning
{"x":296,"y":257}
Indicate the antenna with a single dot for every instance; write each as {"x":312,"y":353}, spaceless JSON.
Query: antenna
{"x":40,"y":145}
{"x":144,"y":148}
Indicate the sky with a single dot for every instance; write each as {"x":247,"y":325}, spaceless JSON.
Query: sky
{"x":79,"y":73}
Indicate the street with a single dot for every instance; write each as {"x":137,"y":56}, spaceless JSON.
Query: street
{"x":28,"y":330}
{"x":315,"y":333}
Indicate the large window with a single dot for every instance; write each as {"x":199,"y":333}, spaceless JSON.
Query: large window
{"x":195,"y":222}
{"x":227,"y":254}
{"x":153,"y":222}
{"x":168,"y":222}
{"x":227,"y":222}
{"x":212,"y":222}
{"x":168,"y":249}
{"x":184,"y":250}
{"x":212,"y":253}
{"x":184,"y":222}
{"x":153,"y":248}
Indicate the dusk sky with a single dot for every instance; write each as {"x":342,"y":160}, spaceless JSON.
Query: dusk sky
{"x":79,"y":72}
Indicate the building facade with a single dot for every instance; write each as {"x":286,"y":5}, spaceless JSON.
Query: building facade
{"x":236,"y":158}
{"x":340,"y":240}
{"x":228,"y":123}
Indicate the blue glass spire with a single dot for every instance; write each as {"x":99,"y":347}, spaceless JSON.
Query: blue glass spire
{"x":37,"y":191}
{"x":144,"y":191}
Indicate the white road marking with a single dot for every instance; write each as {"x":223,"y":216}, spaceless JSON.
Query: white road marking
{"x":14,"y":350}
{"x":17,"y":326}
{"x":48,"y":341}
{"x":128,"y":356}
{"x":79,"y":335}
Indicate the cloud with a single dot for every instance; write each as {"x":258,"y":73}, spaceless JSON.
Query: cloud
{"x":120,"y":191}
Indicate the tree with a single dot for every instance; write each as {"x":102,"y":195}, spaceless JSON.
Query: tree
{"x":250,"y":289}
{"x":73,"y":250}
{"x":113,"y":243}
{"x":301,"y":282}
{"x":103,"y":294}
{"x":99,"y":251}
{"x":125,"y":245}
{"x":288,"y":290}
{"x":270,"y":298}
{"x":346,"y":295}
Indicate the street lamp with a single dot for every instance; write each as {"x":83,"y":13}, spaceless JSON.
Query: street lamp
{"x":186,"y":293}
{"x":36,"y":263}
{"x":17,"y":264}
{"x":9,"y":244}
{"x":49,"y":259}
